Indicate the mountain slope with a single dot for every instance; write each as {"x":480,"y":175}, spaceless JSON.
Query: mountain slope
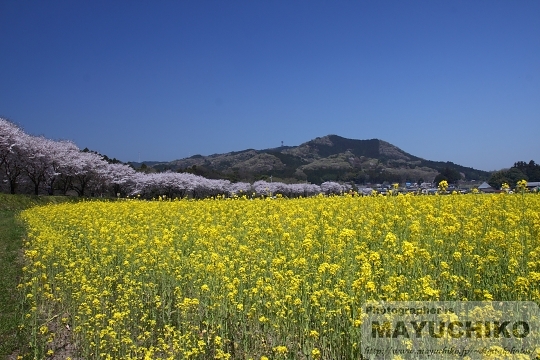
{"x":322,"y":159}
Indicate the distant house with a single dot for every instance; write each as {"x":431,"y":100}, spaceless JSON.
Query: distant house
{"x":486,"y":188}
{"x":533,"y":184}
{"x":426,"y":185}
{"x":365,"y":191}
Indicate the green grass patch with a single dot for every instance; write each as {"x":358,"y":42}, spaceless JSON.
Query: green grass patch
{"x":12,"y":232}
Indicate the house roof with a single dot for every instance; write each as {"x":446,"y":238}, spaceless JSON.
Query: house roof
{"x":484,"y":185}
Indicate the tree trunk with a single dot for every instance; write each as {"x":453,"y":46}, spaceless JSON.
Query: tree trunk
{"x":12,"y":186}
{"x":50,"y":188}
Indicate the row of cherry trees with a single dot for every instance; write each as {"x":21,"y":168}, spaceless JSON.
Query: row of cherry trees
{"x":40,"y":165}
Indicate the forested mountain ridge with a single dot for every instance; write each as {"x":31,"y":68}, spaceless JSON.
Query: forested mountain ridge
{"x":328,"y":158}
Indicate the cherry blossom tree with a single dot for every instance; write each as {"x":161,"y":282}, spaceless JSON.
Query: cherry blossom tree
{"x":211,"y":187}
{"x":12,"y":145}
{"x":304,"y":190}
{"x":119,"y":176}
{"x":174,"y":185}
{"x":331,"y":187}
{"x":10,"y":135}
{"x":60,"y":164}
{"x":59,"y":154}
{"x":86,"y":169}
{"x":167,"y":183}
{"x":263,"y":188}
{"x":239,"y":189}
{"x":35,"y":160}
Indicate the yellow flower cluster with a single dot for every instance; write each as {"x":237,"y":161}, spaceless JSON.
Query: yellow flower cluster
{"x":272,"y":278}
{"x":443,"y":186}
{"x":521,"y":186}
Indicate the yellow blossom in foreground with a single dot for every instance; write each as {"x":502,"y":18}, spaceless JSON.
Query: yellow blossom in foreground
{"x":238,"y":278}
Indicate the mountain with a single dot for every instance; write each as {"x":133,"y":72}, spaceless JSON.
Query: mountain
{"x":328,"y":158}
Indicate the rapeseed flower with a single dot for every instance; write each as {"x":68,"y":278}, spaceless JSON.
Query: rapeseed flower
{"x":252,"y":278}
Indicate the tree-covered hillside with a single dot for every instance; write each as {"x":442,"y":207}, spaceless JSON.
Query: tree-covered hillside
{"x":328,"y":158}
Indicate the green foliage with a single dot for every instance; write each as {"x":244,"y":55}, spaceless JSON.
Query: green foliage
{"x":470,"y":173}
{"x":18,"y":203}
{"x":511,"y":177}
{"x":520,"y":171}
{"x":452,"y":176}
{"x":368,"y":148}
{"x":11,"y":235}
{"x":290,"y":161}
{"x":379,"y":176}
{"x":322,"y":159}
{"x":233,"y":175}
{"x":531,"y":169}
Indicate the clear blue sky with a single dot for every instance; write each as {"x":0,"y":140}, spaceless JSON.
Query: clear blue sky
{"x":444,"y":80}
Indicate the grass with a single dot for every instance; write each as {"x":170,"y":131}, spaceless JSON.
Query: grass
{"x":12,"y":233}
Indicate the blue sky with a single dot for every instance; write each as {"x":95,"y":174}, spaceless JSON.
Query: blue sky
{"x":161,"y":80}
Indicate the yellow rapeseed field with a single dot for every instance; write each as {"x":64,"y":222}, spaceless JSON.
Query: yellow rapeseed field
{"x":263,"y":278}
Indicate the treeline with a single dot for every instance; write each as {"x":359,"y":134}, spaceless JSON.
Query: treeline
{"x":37,"y":165}
{"x":520,"y":171}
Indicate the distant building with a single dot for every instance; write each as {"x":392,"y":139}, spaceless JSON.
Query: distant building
{"x":486,"y":188}
{"x":426,"y":185}
{"x":365,"y":190}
